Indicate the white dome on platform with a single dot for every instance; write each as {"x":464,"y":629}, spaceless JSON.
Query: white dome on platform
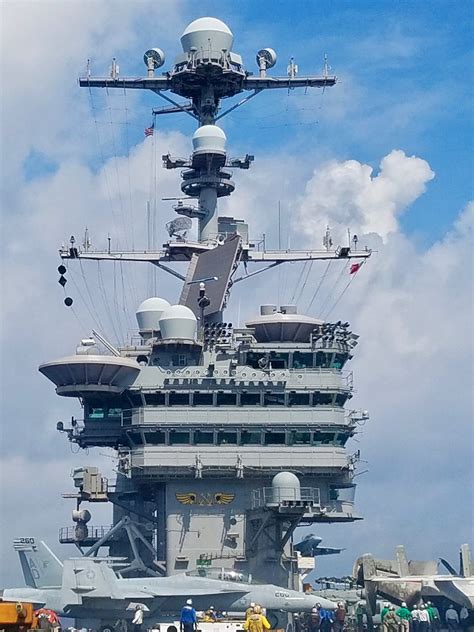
{"x":209,"y":139}
{"x":149,"y":312}
{"x":206,"y":34}
{"x":286,"y":486}
{"x":178,"y":322}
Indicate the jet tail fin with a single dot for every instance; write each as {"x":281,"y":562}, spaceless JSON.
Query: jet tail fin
{"x":41,"y":568}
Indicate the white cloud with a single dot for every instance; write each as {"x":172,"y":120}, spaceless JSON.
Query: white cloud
{"x":348,"y":194}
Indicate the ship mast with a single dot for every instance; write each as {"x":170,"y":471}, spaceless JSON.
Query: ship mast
{"x":206,"y":73}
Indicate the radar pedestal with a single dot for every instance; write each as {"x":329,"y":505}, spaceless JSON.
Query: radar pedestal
{"x":276,"y":512}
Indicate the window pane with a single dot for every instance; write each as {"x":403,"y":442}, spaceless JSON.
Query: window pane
{"x":279,"y":360}
{"x":202,"y":399}
{"x":135,"y":437}
{"x":250,"y":399}
{"x":179,"y":399}
{"x":155,"y":438}
{"x":250,"y":437}
{"x":274,"y":399}
{"x":155,"y":399}
{"x":226,"y":399}
{"x":322,"y":399}
{"x":274,"y":438}
{"x":226,"y":437}
{"x":179,"y":437}
{"x":298,"y":399}
{"x":299,"y":438}
{"x":203,"y":437}
{"x":302,"y":360}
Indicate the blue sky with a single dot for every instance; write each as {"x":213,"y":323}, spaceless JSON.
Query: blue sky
{"x":71,"y":158}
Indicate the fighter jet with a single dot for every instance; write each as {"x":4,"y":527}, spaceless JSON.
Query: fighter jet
{"x":309,"y":547}
{"x":92,"y":588}
{"x":403,"y":580}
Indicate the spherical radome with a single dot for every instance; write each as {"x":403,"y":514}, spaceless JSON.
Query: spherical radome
{"x":178,"y":322}
{"x":206,"y":34}
{"x":149,"y":312}
{"x":209,"y":139}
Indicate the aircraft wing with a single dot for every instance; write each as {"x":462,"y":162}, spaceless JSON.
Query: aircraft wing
{"x":327,"y":550}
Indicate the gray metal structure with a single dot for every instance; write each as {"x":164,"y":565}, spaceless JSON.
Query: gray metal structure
{"x":227,"y":438}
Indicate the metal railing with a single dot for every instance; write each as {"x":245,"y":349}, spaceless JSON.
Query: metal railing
{"x":94,"y":533}
{"x":286,"y":496}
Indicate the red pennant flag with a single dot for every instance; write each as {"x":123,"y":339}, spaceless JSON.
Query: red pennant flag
{"x":354,"y":268}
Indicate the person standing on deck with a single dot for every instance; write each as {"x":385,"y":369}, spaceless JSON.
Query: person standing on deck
{"x":137,"y":620}
{"x":415,"y":618}
{"x":340,"y":617}
{"x":452,"y":618}
{"x":257,"y":622}
{"x":188,"y":619}
{"x":405,"y":617}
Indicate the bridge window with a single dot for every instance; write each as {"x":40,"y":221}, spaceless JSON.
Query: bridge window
{"x":251,"y":437}
{"x":339,"y":360}
{"x":250,"y":399}
{"x":226,"y":399}
{"x":202,"y":399}
{"x":274,"y":438}
{"x":322,"y":399}
{"x":323,"y":438}
{"x":135,"y":437}
{"x":341,"y":399}
{"x":203,"y":437}
{"x":178,"y":437}
{"x":323,"y":360}
{"x":274,"y":399}
{"x":179,"y":399}
{"x":279,"y":360}
{"x":155,"y":399}
{"x":302,"y":360}
{"x":226,"y":437}
{"x":298,"y":399}
{"x":155,"y":438}
{"x":300,"y":438}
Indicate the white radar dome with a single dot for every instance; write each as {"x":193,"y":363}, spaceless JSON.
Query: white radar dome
{"x":149,"y":313}
{"x":286,"y":486}
{"x":178,"y":322}
{"x":207,"y":34}
{"x":209,"y":139}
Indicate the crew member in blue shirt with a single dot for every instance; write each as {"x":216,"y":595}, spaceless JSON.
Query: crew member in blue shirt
{"x":188,"y":619}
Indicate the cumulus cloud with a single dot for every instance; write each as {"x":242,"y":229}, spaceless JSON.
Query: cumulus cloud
{"x":348,"y":194}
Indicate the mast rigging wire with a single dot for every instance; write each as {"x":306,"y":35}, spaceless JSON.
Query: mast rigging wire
{"x":331,"y":291}
{"x":319,"y":286}
{"x":353,"y":275}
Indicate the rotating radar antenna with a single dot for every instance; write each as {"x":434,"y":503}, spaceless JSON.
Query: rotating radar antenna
{"x":179,"y":227}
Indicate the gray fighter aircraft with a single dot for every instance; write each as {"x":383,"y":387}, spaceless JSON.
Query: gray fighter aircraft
{"x":91,"y":588}
{"x":309,"y":546}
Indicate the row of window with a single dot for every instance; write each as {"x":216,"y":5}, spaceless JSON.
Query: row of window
{"x":237,"y":437}
{"x":211,"y":399}
{"x":295,"y":360}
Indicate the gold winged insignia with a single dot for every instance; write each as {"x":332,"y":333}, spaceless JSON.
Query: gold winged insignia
{"x":223,"y":499}
{"x":188,"y":498}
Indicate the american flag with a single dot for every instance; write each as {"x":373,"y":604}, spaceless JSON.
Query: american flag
{"x":149,"y":130}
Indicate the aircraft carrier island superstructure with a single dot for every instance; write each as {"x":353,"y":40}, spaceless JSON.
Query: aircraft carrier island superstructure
{"x":227,"y":438}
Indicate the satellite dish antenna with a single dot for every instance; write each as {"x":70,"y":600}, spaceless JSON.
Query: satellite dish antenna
{"x":266,"y":58}
{"x":154,"y":58}
{"x":179,"y":227}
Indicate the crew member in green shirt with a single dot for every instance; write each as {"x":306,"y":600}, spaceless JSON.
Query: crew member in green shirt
{"x":405,"y":617}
